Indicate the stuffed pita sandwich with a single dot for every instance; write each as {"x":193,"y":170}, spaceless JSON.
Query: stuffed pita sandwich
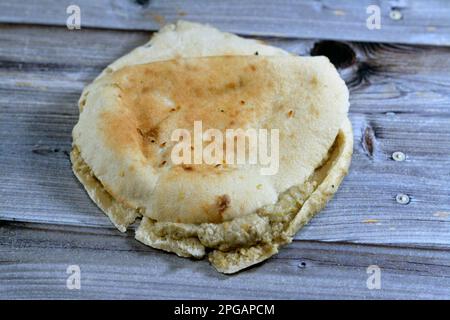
{"x":189,"y":73}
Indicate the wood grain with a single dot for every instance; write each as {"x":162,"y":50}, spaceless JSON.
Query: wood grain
{"x":34,"y":259}
{"x":422,"y":21}
{"x":399,"y":102}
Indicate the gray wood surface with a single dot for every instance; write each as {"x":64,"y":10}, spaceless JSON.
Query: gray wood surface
{"x":421,"y":22}
{"x":34,"y":260}
{"x":400,"y":101}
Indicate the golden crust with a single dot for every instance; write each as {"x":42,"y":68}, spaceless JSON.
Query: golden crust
{"x":240,"y":233}
{"x":126,"y":125}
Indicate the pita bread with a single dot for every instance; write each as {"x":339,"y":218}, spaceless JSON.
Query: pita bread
{"x":189,"y":72}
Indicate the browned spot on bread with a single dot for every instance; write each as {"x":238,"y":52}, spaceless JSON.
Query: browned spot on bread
{"x":153,"y":95}
{"x":231,"y":85}
{"x":140,"y":133}
{"x":163,"y":163}
{"x":113,"y":122}
{"x":187,"y":168}
{"x":314,"y":82}
{"x":313,"y":110}
{"x":150,"y":135}
{"x":223,"y":203}
{"x":214,"y":84}
{"x":198,"y":92}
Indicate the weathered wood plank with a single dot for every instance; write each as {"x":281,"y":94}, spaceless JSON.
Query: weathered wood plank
{"x":385,"y":78}
{"x":405,"y":105}
{"x":38,"y":185}
{"x":34,"y":260}
{"x":421,"y":21}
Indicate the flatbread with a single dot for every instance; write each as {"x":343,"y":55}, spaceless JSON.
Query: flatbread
{"x":188,"y":72}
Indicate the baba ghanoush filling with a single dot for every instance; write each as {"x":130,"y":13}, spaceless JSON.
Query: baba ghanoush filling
{"x":231,"y":245}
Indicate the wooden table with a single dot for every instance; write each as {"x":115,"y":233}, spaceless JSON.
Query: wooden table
{"x":400,"y":102}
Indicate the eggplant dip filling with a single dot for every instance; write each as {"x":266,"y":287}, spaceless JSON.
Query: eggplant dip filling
{"x":188,"y":72}
{"x":237,"y":244}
